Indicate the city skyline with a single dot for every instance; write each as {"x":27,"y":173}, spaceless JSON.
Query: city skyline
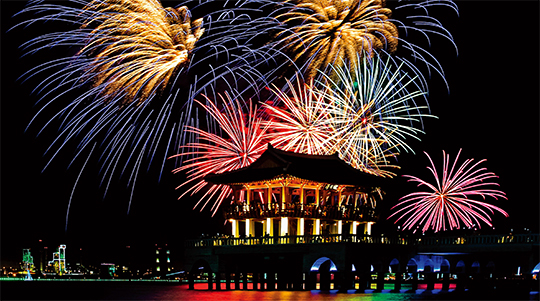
{"x":485,"y":80}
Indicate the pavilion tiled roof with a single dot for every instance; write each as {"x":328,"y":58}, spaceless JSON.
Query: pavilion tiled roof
{"x":273,"y":163}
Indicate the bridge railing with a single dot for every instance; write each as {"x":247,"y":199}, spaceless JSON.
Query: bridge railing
{"x":365,"y":239}
{"x":272,"y":210}
{"x":480,"y":239}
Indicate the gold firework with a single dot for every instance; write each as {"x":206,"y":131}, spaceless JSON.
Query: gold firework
{"x":137,"y":46}
{"x":323,"y":32}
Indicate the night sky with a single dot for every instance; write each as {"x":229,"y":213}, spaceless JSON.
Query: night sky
{"x":491,"y":112}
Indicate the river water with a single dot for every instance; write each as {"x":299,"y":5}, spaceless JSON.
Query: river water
{"x":80,"y":290}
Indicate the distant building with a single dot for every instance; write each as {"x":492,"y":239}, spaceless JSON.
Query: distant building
{"x":162,"y":262}
{"x":58,"y":264}
{"x":107,"y":271}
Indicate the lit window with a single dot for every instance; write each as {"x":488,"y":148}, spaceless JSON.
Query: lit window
{"x":168,"y":259}
{"x":168,"y":252}
{"x":157,"y":251}
{"x":157,"y":260}
{"x":157,"y":269}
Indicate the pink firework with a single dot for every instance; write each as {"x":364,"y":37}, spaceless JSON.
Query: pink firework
{"x":447,"y":204}
{"x":242,"y":142}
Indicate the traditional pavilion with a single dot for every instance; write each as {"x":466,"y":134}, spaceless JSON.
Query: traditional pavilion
{"x":288,"y":194}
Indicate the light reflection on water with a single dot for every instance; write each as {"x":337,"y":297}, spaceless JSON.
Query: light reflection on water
{"x":181,"y":293}
{"x":84,"y":290}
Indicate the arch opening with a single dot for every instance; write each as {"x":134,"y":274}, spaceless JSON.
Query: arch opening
{"x":317,"y":264}
{"x":536,"y":269}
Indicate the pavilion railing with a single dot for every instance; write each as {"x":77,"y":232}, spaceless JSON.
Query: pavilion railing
{"x":365,"y":239}
{"x":333,"y":212}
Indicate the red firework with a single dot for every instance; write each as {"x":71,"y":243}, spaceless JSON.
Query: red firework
{"x":242,"y":142}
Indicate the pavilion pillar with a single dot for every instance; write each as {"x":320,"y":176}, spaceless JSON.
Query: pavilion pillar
{"x":269,"y":226}
{"x":250,"y":228}
{"x":283,"y":197}
{"x":284,"y":227}
{"x":300,"y":230}
{"x":317,"y":227}
{"x":268,"y":195}
{"x":367,"y":228}
{"x":235,"y":230}
{"x":352,"y":230}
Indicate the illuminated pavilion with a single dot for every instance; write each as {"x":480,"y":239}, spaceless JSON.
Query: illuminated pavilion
{"x":298,"y":196}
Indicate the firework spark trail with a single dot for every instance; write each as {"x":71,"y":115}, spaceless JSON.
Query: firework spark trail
{"x":242,"y":142}
{"x":447,"y":202}
{"x":373,"y":111}
{"x":75,"y":185}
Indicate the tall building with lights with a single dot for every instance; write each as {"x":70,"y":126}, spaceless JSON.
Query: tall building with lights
{"x":59,"y":260}
{"x":162,"y":262}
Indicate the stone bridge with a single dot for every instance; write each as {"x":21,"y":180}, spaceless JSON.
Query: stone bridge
{"x":362,"y":262}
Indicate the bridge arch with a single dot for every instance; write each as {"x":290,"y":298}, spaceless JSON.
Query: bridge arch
{"x":475,"y":267}
{"x":445,"y":266}
{"x":322,"y":272}
{"x":320,"y":261}
{"x":394,"y":265}
{"x":428,"y":266}
{"x":412,"y":266}
{"x":460,"y":267}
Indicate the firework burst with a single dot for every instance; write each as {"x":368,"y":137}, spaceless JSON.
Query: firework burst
{"x":373,"y":110}
{"x":302,"y":123}
{"x":242,"y":141}
{"x":130,"y":65}
{"x":320,"y":33}
{"x":446,"y":205}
